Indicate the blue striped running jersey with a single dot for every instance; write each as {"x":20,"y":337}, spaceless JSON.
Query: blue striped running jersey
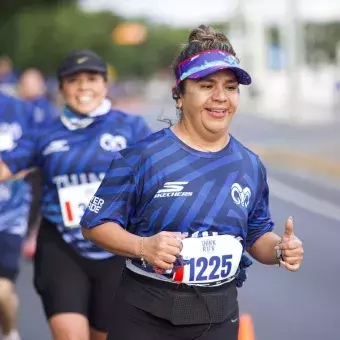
{"x":161,"y":184}
{"x":16,"y":119}
{"x":73,"y":163}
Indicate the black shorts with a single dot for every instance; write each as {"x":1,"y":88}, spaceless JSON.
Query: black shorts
{"x":70,"y":283}
{"x":10,"y":253}
{"x":132,"y":322}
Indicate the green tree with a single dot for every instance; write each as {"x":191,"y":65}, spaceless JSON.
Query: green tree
{"x":321,"y":41}
{"x":40,"y":36}
{"x":10,"y":11}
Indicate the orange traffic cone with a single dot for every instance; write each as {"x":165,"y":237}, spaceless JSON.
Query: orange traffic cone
{"x":246,"y":329}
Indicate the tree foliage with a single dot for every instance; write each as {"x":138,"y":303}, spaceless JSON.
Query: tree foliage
{"x":321,"y":41}
{"x":39,"y":33}
{"x":43,"y":35}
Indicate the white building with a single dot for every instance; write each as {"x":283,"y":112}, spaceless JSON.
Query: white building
{"x":284,"y":87}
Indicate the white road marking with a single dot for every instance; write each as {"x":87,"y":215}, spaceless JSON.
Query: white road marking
{"x":303,"y":200}
{"x":326,"y":182}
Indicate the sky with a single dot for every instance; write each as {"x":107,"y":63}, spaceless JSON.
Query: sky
{"x":191,"y":12}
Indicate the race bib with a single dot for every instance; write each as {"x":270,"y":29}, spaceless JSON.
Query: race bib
{"x":74,"y":200}
{"x":6,"y":141}
{"x":209,"y":259}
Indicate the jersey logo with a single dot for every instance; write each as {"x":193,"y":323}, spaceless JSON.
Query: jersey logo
{"x":112,"y":143}
{"x":11,"y":128}
{"x":173,"y":189}
{"x":95,"y":204}
{"x":56,"y":146}
{"x":5,"y":193}
{"x":240,"y":196}
{"x":82,"y":60}
{"x":39,"y":115}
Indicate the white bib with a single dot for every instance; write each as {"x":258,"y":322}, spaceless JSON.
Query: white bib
{"x":74,"y":200}
{"x":211,"y":259}
{"x":6,"y":141}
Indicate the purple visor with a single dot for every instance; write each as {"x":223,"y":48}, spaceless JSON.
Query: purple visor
{"x":204,"y":63}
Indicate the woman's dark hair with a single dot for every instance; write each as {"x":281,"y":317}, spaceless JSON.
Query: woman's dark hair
{"x":201,"y":39}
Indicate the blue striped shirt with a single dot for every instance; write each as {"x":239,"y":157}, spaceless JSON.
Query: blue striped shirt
{"x":161,"y":184}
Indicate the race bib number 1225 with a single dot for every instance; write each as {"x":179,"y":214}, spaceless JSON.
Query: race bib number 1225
{"x":209,"y":259}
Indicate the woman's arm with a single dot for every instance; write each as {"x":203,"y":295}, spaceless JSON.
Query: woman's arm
{"x":160,"y":250}
{"x":5,"y":172}
{"x":114,"y":239}
{"x":291,"y":248}
{"x":263,"y":250}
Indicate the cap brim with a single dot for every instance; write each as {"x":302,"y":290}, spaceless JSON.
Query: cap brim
{"x":82,"y":68}
{"x":243,"y":77}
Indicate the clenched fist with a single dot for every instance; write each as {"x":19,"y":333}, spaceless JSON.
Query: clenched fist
{"x":161,"y":250}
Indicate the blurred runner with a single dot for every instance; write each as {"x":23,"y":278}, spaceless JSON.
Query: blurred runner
{"x":16,"y":119}
{"x":32,"y":88}
{"x":8,"y":77}
{"x":73,"y":276}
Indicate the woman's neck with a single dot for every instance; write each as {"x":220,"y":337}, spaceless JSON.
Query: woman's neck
{"x":210,"y":142}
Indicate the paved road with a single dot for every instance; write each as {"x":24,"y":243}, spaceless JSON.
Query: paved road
{"x":302,"y":305}
{"x":284,"y":305}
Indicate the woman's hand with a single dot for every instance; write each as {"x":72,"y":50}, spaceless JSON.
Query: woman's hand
{"x":161,"y":250}
{"x":291,"y":248}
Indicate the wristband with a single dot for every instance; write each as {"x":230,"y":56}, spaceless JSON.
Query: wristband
{"x":278,"y":253}
{"x":142,"y":254}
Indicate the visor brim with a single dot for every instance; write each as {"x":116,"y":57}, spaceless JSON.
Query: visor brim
{"x":243,"y":77}
{"x":82,"y":68}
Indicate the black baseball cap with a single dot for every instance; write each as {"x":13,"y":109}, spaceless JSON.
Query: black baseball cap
{"x":81,"y":61}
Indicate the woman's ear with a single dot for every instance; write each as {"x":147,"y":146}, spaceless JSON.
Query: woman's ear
{"x":179,"y":103}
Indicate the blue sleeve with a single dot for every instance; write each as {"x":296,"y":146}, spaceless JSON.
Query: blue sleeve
{"x":142,"y":130}
{"x":260,"y":221}
{"x":28,"y":109}
{"x":116,"y":197}
{"x":23,"y":156}
{"x":45,"y":113}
